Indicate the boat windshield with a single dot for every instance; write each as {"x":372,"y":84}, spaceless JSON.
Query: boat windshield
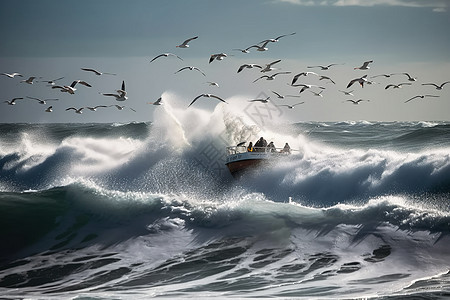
{"x":231,"y":150}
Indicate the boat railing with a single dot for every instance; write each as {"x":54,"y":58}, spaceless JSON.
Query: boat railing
{"x":231,"y":150}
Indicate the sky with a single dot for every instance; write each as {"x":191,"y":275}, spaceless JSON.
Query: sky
{"x":51,"y":39}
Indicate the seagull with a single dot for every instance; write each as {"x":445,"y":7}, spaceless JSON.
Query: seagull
{"x":12,"y":101}
{"x":29,"y":80}
{"x":42,"y":101}
{"x":397,"y":86}
{"x":307,"y":86}
{"x":357,"y":101}
{"x":219,"y":56}
{"x":71,"y":89}
{"x":52,"y":82}
{"x":121,"y":94}
{"x":260,"y":100}
{"x":96,"y":72}
{"x":95,"y":107}
{"x":157,"y":102}
{"x":360,"y":80}
{"x":121,"y":107}
{"x":268,"y":66}
{"x":185,"y":43}
{"x":294,"y":80}
{"x":410,"y":78}
{"x":291,"y":106}
{"x":246,"y":50}
{"x":420,"y":96}
{"x":208,"y":96}
{"x":279,"y":96}
{"x":77,"y":110}
{"x":438,"y":87}
{"x":248,"y":66}
{"x":277,"y":38}
{"x":190,"y":68}
{"x":12,"y":75}
{"x":166,"y":55}
{"x":49,"y":109}
{"x":322,"y":77}
{"x":384,"y":75}
{"x":347,"y":93}
{"x":319,"y":94}
{"x":323,"y":68}
{"x":262,"y":47}
{"x":211,"y":83}
{"x":365,"y":65}
{"x":271,"y":77}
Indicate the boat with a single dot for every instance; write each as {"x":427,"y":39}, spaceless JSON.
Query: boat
{"x":240,"y":161}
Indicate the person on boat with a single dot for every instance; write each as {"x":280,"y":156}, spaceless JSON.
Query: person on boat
{"x":259,"y":145}
{"x":250,"y":147}
{"x":271,"y":147}
{"x":264,"y":145}
{"x":286,"y":149}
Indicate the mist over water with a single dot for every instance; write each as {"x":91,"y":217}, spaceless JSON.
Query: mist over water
{"x":149,"y":209}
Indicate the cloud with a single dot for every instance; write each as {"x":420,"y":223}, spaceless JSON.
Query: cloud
{"x":436,"y":5}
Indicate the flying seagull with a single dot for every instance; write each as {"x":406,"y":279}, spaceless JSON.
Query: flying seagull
{"x":271,"y":77}
{"x":420,"y":96}
{"x":122,"y":107}
{"x":365,"y":65}
{"x":357,"y":101}
{"x":77,"y":110}
{"x":191,"y":68}
{"x":52,"y":82}
{"x":410,"y":78}
{"x":185,"y":43}
{"x":360,"y":80}
{"x":294,"y":80}
{"x":208,"y":96}
{"x":323,"y":68}
{"x":306,"y":86}
{"x":350,"y":93}
{"x":319,"y":94}
{"x":279,"y":96}
{"x":438,"y":87}
{"x":71,"y":89}
{"x":268,"y":66}
{"x":384,"y":75}
{"x":246,"y":50}
{"x":157,"y":102}
{"x":322,"y":77}
{"x":262,"y":47}
{"x":96,"y":72}
{"x":166,"y":55}
{"x":94,"y":108}
{"x":12,"y":75}
{"x":260,"y":100}
{"x":49,"y":109}
{"x":29,"y":80}
{"x":218,"y":56}
{"x":12,"y":101}
{"x":248,"y":66}
{"x":277,"y":38}
{"x":397,"y":86}
{"x":291,"y":106}
{"x":121,"y":94}
{"x":42,"y":101}
{"x":212,"y":83}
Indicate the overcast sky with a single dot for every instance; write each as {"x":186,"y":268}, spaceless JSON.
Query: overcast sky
{"x":52,"y":39}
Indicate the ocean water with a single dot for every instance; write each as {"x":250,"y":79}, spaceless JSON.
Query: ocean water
{"x":140,"y":210}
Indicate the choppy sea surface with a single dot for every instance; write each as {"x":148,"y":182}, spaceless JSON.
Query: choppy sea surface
{"x":140,"y":210}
